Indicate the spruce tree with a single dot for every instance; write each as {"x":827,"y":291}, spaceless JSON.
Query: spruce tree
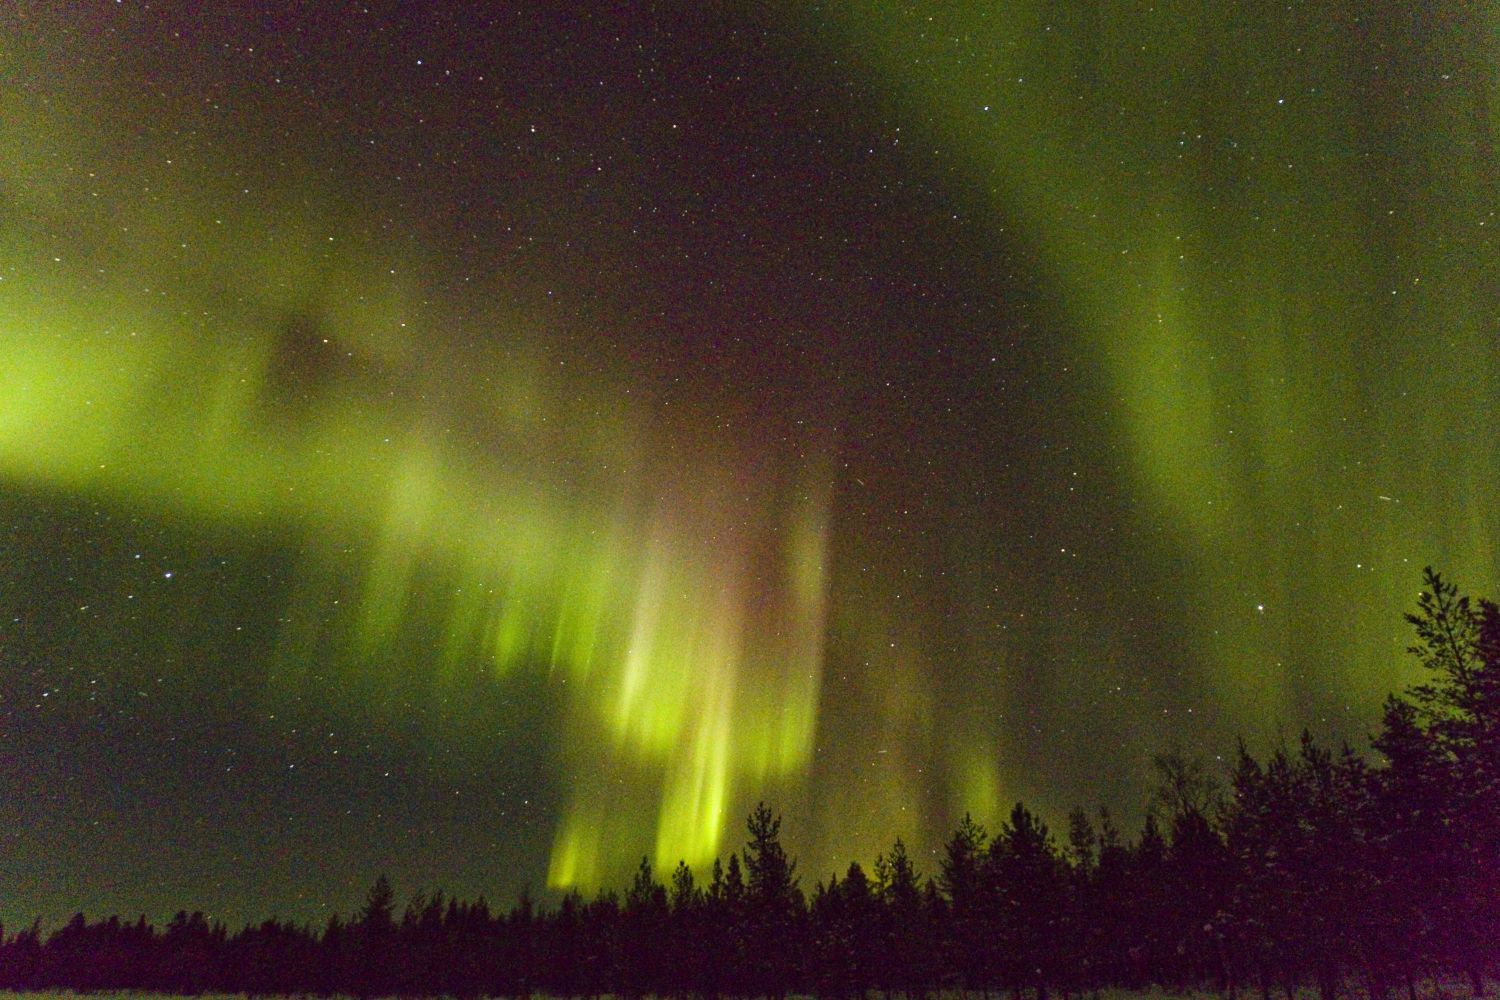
{"x":774,"y":905}
{"x":965,"y":942}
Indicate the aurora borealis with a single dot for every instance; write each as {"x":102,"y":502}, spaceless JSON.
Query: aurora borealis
{"x":488,"y":447}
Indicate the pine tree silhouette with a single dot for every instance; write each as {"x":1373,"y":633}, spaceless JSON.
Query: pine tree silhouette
{"x":773,"y":905}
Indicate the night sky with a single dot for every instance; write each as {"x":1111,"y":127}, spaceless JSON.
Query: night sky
{"x":487,"y":445}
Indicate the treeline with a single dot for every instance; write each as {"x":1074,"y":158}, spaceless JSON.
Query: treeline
{"x":1310,"y":868}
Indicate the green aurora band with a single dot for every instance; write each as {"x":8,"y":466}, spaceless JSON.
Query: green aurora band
{"x":136,"y":372}
{"x":1275,"y":235}
{"x":1275,"y":230}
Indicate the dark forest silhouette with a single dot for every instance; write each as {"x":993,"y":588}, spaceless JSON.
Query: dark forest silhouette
{"x":1311,"y":868}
